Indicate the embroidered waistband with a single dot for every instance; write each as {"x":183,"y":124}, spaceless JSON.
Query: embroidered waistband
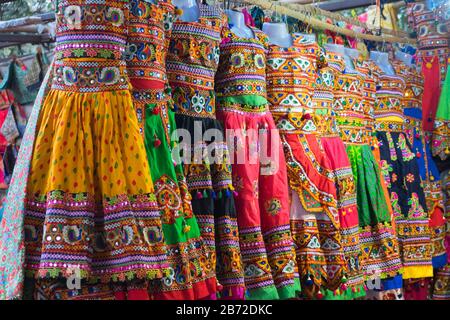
{"x":391,"y":126}
{"x":89,"y":75}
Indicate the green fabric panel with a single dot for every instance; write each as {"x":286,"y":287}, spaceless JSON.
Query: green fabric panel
{"x":13,"y":80}
{"x":443,"y":111}
{"x":289,"y":292}
{"x":160,"y":159}
{"x":250,"y":100}
{"x":174,"y":234}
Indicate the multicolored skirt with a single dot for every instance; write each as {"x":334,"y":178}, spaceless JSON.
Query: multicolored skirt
{"x":380,"y":251}
{"x":186,"y":250}
{"x":208,"y":174}
{"x":262,"y":202}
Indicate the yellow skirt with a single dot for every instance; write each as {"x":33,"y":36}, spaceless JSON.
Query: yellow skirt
{"x":90,"y":203}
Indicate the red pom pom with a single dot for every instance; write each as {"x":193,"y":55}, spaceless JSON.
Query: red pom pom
{"x":306,"y":116}
{"x":157,"y":143}
{"x":417,"y":136}
{"x":156,"y":110}
{"x":418,"y":154}
{"x":319,"y":295}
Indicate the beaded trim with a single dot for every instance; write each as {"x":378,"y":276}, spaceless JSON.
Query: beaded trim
{"x":77,"y":75}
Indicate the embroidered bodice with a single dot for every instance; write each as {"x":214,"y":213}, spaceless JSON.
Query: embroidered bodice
{"x":193,"y":60}
{"x":242,"y":67}
{"x":90,"y":46}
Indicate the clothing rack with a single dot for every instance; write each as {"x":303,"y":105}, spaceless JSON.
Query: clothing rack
{"x":32,"y":29}
{"x":315,"y":10}
{"x":319,"y":24}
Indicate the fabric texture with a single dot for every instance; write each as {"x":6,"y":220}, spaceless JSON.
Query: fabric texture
{"x":260,"y":178}
{"x":192,"y":62}
{"x":323,"y":208}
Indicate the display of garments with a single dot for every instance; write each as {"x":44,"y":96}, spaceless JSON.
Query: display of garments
{"x":192,"y":62}
{"x":12,"y":248}
{"x":259,"y":176}
{"x":441,"y":285}
{"x":440,"y":144}
{"x":317,"y":166}
{"x":90,"y":208}
{"x":429,"y":174}
{"x":168,"y":158}
{"x":149,"y":30}
{"x":354,"y":107}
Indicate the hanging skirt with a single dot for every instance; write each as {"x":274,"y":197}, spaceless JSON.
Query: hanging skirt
{"x":441,"y":285}
{"x":323,"y":234}
{"x":401,"y":172}
{"x":262,"y":201}
{"x":380,"y":252}
{"x":90,"y":204}
{"x":186,"y":250}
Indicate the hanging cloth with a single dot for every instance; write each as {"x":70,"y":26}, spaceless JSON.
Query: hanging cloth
{"x":430,"y":100}
{"x":441,"y":132}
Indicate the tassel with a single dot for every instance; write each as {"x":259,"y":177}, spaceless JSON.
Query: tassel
{"x":417,"y":136}
{"x":447,"y":150}
{"x":344,"y":279}
{"x":199,"y":195}
{"x":343,"y":287}
{"x":175,"y":108}
{"x":227,"y":193}
{"x":186,"y":228}
{"x":205,"y":194}
{"x":220,"y":194}
{"x":156,"y":110}
{"x":235,"y":193}
{"x":432,"y":178}
{"x":319,"y":295}
{"x":309,"y":281}
{"x":213,"y":194}
{"x":306,"y":116}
